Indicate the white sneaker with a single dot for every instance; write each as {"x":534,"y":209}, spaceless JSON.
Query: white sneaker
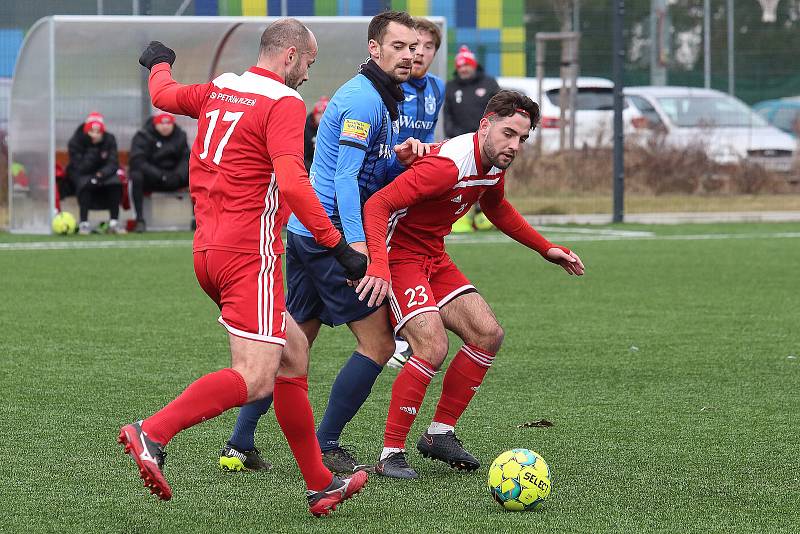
{"x":84,"y":228}
{"x":115,"y":228}
{"x":402,"y":352}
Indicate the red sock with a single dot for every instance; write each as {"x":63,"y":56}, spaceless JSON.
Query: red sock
{"x":461,"y":382}
{"x":293,"y":412}
{"x":205,"y":398}
{"x":408,"y":391}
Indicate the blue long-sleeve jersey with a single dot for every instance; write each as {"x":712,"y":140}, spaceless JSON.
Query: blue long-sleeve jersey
{"x":353,"y":156}
{"x":420,"y":110}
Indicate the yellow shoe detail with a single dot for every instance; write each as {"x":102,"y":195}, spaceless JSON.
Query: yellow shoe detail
{"x":463,"y":225}
{"x":482,"y":222}
{"x":227,"y":463}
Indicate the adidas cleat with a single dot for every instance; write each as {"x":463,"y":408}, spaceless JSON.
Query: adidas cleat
{"x":321,"y":503}
{"x":231,"y":459}
{"x":395,"y":466}
{"x":448,"y":449}
{"x":149,"y":457}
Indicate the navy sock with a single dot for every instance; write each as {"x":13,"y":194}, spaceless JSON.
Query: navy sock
{"x":244,"y":433}
{"x":349,"y":391}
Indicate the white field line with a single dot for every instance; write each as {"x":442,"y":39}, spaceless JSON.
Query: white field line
{"x":459,"y":239}
{"x":71,"y":245}
{"x":595,"y":231}
{"x":500,"y":238}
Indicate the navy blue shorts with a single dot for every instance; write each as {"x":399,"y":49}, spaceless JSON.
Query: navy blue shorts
{"x":316,"y":287}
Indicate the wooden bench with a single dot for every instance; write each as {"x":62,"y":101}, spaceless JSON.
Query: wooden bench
{"x":163,"y":210}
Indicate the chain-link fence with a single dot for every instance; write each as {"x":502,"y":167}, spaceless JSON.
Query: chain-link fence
{"x":745,"y":55}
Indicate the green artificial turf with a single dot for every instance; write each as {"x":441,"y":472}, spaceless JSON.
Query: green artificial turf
{"x":671,"y":373}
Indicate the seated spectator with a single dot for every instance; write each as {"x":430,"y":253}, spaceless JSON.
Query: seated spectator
{"x":312,"y":125}
{"x":92,"y":171}
{"x":159,"y":161}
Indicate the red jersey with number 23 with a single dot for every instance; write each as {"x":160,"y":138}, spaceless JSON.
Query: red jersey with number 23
{"x":244,"y":122}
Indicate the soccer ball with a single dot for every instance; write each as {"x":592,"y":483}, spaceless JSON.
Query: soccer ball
{"x":519,"y":480}
{"x":64,"y":223}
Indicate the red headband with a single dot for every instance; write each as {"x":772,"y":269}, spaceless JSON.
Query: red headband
{"x":516,"y":110}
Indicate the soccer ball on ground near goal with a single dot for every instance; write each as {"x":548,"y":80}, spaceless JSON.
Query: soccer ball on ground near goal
{"x":519,"y":480}
{"x":64,"y":223}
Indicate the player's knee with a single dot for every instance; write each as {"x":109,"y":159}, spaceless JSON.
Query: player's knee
{"x":490,"y":337}
{"x":259,"y":384}
{"x":435,"y":351}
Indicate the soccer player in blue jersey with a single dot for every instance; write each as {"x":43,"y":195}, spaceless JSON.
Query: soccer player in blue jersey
{"x":424,"y":92}
{"x":355,"y":156}
{"x":419,"y":114}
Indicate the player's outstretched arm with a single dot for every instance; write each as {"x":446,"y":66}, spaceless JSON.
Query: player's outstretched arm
{"x":509,"y":221}
{"x":165,"y":93}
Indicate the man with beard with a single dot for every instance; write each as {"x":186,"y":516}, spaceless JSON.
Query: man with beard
{"x":428,"y":293}
{"x":246,"y":166}
{"x":354,"y":153}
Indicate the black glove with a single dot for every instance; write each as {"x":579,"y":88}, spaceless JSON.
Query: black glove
{"x":156,"y":53}
{"x":354,"y":262}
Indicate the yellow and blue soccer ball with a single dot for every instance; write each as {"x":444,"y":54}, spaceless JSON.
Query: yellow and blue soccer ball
{"x":519,"y":480}
{"x":64,"y":223}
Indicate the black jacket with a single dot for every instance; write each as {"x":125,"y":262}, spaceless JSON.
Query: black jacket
{"x":157,"y":157}
{"x":309,"y":141}
{"x":87,"y":160}
{"x":465,"y":102}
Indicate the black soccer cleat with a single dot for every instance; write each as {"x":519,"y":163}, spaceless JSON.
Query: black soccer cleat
{"x":232,"y":459}
{"x":149,"y":457}
{"x":341,"y":461}
{"x":395,"y":466}
{"x":448,"y":449}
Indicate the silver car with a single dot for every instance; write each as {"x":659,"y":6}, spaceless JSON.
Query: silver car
{"x":725,"y":126}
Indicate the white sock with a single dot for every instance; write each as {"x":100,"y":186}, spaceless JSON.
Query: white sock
{"x":440,"y":428}
{"x":113,"y":223}
{"x":390,"y":450}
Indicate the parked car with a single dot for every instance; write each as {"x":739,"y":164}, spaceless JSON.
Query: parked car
{"x":594,"y":110}
{"x":726,"y":126}
{"x":782,"y":113}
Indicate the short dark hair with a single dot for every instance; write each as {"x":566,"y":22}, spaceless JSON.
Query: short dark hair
{"x":282,"y":34}
{"x":424,"y":25}
{"x":505,"y":103}
{"x":380,"y":22}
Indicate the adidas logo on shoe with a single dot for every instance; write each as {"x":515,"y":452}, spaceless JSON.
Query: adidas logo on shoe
{"x":409,"y":410}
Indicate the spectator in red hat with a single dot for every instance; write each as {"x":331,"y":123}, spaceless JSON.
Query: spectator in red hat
{"x":466,"y":95}
{"x":312,"y":124}
{"x":159,"y":161}
{"x":92,"y":169}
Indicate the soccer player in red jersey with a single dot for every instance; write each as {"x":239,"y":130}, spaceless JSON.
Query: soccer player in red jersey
{"x":246,"y":171}
{"x":428,"y":294}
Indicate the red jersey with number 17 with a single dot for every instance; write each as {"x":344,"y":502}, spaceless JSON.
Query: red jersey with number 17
{"x":437,"y":203}
{"x":244,"y":122}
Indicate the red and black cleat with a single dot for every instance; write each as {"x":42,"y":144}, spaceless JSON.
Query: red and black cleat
{"x":321,"y":503}
{"x":149,"y":457}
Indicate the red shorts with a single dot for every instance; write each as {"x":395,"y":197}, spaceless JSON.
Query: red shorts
{"x":248,"y":288}
{"x":423,"y":284}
